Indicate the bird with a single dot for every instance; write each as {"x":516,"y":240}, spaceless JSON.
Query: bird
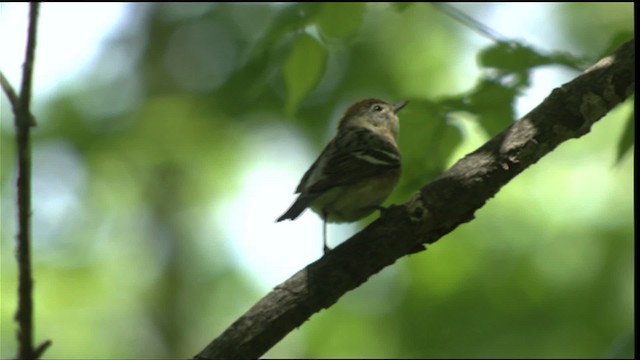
{"x":357,"y":170}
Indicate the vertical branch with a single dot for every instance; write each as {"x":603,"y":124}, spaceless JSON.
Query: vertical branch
{"x":23,"y":120}
{"x":27,"y":70}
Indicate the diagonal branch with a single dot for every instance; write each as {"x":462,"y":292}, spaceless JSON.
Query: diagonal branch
{"x":438,"y":208}
{"x":11,"y":94}
{"x":14,"y":100}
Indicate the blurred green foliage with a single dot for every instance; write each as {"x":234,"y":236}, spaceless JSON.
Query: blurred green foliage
{"x":135,"y":166}
{"x":302,"y":70}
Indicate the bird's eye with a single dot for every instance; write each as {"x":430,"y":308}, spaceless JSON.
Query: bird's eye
{"x":377,"y":108}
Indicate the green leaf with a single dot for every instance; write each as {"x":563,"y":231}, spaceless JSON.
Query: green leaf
{"x":511,"y":57}
{"x":340,"y":20}
{"x":427,"y":141}
{"x":293,"y":17}
{"x":492,"y":102}
{"x":264,"y":58}
{"x":627,"y":139}
{"x":401,"y":6}
{"x":302,"y":70}
{"x":615,"y":42}
{"x":514,"y":57}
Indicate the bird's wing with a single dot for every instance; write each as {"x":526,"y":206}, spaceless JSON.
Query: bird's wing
{"x":352,"y":156}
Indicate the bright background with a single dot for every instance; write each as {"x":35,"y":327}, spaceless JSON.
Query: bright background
{"x":171,"y":136}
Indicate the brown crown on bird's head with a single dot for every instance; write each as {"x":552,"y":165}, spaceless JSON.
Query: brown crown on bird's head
{"x":371,"y":113}
{"x":356,"y":108}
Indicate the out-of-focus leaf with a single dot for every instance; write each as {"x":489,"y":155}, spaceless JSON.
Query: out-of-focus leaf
{"x":627,"y":139}
{"x":511,"y":57}
{"x":492,"y":103}
{"x":427,"y":141}
{"x":340,"y":20}
{"x":291,"y":18}
{"x":302,"y":70}
{"x":514,"y":57}
{"x":265,"y":57}
{"x":492,"y":100}
{"x":617,"y":40}
{"x":401,"y":6}
{"x":623,"y":346}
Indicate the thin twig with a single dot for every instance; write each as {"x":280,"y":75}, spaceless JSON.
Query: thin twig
{"x":24,"y":313}
{"x":40,"y":349}
{"x":470,"y":22}
{"x":11,"y":94}
{"x":27,"y":70}
{"x":13,"y":98}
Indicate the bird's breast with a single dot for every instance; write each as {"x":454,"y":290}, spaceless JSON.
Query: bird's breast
{"x":354,"y":202}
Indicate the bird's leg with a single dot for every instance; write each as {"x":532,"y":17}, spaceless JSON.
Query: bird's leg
{"x":325,"y":248}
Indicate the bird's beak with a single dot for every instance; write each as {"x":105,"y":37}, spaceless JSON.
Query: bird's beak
{"x":397,"y":107}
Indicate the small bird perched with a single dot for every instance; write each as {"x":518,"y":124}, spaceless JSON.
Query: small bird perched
{"x":357,"y":170}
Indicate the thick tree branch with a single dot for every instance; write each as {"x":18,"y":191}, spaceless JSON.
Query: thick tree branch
{"x":437,"y":209}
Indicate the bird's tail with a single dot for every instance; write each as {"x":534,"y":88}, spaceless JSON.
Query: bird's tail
{"x":301,"y":203}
